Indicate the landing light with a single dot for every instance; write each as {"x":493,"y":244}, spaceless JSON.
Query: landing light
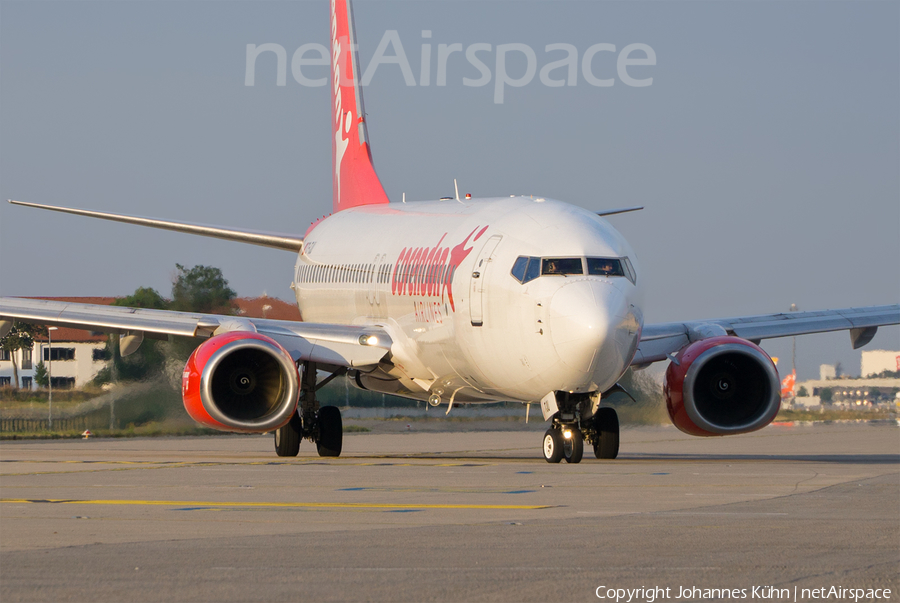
{"x":368,"y":340}
{"x":567,"y":433}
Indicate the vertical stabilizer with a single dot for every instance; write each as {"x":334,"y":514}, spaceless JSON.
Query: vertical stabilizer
{"x":355,"y":180}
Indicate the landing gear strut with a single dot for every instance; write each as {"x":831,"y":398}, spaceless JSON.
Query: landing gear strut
{"x":573,"y":425}
{"x":321,"y":425}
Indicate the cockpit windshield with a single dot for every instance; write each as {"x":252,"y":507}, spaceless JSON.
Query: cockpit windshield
{"x":563,"y":266}
{"x":527,"y":269}
{"x":605,"y":267}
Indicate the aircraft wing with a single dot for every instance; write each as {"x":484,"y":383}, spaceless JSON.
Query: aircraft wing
{"x":338,"y":345}
{"x":265,"y":239}
{"x":660,"y":340}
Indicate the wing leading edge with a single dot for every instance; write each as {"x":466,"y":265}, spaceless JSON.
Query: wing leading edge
{"x":660,"y":340}
{"x":253,"y":237}
{"x":337,"y":345}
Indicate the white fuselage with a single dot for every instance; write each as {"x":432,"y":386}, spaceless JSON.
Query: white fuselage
{"x":438,"y":277}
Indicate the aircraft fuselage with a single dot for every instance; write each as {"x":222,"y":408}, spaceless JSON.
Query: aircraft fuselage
{"x":439,"y":277}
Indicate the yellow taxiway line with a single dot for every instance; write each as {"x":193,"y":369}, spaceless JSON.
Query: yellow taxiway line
{"x":303,"y":505}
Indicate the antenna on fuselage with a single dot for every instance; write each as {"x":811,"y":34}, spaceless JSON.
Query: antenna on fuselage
{"x":456,"y":187}
{"x":404,"y":197}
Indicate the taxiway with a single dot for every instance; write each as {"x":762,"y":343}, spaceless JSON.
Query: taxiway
{"x":448,"y":516}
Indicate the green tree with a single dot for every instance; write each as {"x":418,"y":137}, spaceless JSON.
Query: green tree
{"x":826,"y":395}
{"x":143,"y":297}
{"x":802,"y":392}
{"x":20,"y":337}
{"x":202,"y":289}
{"x":149,"y":358}
{"x":40,"y":374}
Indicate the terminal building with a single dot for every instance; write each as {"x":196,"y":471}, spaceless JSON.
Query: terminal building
{"x":74,"y":357}
{"x":877,"y":387}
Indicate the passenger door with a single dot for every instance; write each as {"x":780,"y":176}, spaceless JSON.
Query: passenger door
{"x":479,"y":274}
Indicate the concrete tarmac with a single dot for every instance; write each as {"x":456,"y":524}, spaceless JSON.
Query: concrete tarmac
{"x":451,"y":516}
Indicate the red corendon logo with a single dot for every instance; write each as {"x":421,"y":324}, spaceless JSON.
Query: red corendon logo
{"x":428,"y":271}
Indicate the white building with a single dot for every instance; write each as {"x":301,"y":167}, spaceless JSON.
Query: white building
{"x":76,"y":356}
{"x":72,"y":357}
{"x":875,"y":362}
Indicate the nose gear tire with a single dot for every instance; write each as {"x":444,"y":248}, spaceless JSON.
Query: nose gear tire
{"x":573,"y":449}
{"x":606,"y":424}
{"x":553,"y":446}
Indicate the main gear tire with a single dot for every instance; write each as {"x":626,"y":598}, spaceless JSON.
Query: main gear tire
{"x":287,"y":438}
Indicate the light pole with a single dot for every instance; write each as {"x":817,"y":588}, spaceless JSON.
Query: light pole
{"x":794,"y":346}
{"x":50,"y":377}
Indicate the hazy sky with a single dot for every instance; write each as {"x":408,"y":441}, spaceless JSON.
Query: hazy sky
{"x":766,"y":150}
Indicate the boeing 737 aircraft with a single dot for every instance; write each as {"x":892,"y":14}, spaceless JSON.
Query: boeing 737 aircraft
{"x":459,"y":300}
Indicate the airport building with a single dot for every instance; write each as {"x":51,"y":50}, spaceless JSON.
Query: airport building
{"x":876,"y":362}
{"x":74,"y":357}
{"x":843,"y":391}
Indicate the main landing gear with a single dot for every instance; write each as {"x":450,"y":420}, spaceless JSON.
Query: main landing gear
{"x":569,"y":431}
{"x":321,"y":425}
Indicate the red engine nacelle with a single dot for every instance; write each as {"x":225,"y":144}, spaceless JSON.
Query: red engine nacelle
{"x":240,"y":381}
{"x":722,"y":386}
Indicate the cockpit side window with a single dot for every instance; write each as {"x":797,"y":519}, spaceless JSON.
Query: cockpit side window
{"x":561,"y":266}
{"x":632,"y":275}
{"x":605,"y":267}
{"x":518,"y":269}
{"x":526,"y":269}
{"x":534,"y":269}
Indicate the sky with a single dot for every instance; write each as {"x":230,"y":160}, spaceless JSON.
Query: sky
{"x":766,"y":149}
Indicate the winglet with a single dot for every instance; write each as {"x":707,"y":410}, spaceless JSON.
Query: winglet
{"x":354,"y":177}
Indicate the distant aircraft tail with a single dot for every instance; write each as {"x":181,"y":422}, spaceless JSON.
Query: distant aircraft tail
{"x":355,"y":180}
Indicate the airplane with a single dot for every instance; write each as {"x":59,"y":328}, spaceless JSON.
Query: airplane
{"x":461,"y":300}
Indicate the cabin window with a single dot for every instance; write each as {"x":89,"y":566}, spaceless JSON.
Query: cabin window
{"x":561,"y":266}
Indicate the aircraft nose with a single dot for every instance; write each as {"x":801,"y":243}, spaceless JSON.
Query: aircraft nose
{"x":581,"y":315}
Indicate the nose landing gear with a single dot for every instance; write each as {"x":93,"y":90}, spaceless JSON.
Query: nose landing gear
{"x":553,"y":445}
{"x":573,"y":450}
{"x":606,"y":434}
{"x":570,"y":430}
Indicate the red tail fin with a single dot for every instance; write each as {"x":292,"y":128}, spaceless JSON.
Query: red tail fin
{"x":355,"y":180}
